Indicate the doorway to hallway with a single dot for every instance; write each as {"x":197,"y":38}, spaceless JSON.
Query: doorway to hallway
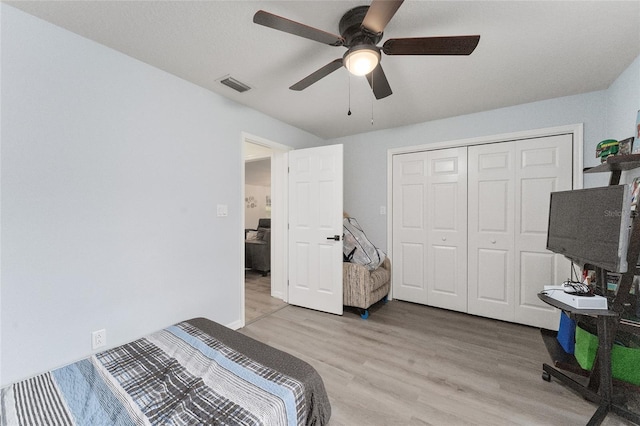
{"x":263,"y":287}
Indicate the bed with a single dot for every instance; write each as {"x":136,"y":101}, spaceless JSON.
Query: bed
{"x":196,"y":372}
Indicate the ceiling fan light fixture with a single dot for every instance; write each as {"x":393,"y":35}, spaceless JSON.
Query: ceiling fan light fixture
{"x":362,"y":59}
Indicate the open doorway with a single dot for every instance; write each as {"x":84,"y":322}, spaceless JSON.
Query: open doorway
{"x":264,"y":289}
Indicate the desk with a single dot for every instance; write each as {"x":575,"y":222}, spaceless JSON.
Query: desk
{"x":600,"y":386}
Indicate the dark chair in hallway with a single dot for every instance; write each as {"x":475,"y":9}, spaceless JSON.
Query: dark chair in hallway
{"x":257,"y":247}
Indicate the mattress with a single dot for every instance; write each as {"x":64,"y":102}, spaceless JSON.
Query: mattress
{"x":196,"y":372}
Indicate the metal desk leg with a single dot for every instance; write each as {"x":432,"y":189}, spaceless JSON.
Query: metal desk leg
{"x":606,"y":332}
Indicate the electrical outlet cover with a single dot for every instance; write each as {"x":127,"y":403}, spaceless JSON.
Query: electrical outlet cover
{"x":98,"y":339}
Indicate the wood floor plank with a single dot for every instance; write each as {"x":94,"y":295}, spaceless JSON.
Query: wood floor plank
{"x":257,"y":296}
{"x":410,"y":364}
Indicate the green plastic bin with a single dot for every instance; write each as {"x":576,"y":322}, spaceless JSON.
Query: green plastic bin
{"x":625,"y":362}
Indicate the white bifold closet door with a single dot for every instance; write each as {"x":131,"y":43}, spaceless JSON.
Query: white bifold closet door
{"x":430,"y":229}
{"x":509,"y":188}
{"x":470,"y":226}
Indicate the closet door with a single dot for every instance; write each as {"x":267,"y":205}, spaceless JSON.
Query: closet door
{"x":429,"y":228}
{"x":446,"y":223}
{"x":491,"y":230}
{"x":469,"y":232}
{"x":509,"y":189}
{"x":409,"y":227}
{"x":543,"y":166}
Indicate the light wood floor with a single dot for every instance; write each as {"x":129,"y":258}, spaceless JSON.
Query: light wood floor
{"x":414,"y":365}
{"x":257,"y":297}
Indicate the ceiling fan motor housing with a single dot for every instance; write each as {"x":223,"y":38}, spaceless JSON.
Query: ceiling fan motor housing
{"x":353,"y":32}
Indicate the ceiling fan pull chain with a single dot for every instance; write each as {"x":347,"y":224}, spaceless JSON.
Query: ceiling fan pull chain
{"x":373,"y":91}
{"x":372,"y":111}
{"x":349,"y":77}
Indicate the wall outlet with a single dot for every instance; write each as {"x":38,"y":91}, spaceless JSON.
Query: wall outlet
{"x":98,"y":339}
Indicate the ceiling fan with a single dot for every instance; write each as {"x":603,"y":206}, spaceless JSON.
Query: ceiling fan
{"x":361,"y":28}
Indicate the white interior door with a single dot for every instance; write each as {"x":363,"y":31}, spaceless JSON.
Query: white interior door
{"x":315,"y":228}
{"x":446,"y":210}
{"x":491,"y":236}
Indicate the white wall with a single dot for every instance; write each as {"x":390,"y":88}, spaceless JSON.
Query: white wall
{"x":365,"y":154}
{"x":111,"y":171}
{"x":623,"y":105}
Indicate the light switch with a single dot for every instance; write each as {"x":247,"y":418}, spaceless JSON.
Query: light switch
{"x":223,"y":210}
{"x":383,"y":210}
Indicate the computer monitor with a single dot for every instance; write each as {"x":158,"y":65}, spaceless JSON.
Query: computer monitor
{"x":591,"y":226}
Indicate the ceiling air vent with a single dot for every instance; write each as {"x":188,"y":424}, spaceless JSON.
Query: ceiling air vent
{"x":235,"y":84}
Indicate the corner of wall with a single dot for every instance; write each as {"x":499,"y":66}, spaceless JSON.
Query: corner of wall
{"x":623,"y":103}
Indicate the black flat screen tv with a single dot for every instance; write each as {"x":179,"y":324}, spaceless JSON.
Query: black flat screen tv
{"x":591,"y":226}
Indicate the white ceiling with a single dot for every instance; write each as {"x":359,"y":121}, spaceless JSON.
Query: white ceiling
{"x":528,"y":51}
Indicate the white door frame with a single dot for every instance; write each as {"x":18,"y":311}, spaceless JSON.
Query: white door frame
{"x":279,"y":215}
{"x":575,"y":129}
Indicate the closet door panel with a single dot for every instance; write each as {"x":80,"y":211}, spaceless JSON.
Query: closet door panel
{"x":493,"y":212}
{"x":492,"y":282}
{"x":446,"y":223}
{"x":535,"y":271}
{"x":412,"y":266}
{"x":543,"y":166}
{"x":444,"y":279}
{"x":409,"y":229}
{"x":534,"y":264}
{"x":491,"y":228}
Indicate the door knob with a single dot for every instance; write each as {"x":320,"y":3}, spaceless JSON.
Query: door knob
{"x":444,"y":238}
{"x":335,"y":237}
{"x":493,"y":241}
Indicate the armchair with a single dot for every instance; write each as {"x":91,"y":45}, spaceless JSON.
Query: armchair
{"x":257,"y":250}
{"x":362,"y":288}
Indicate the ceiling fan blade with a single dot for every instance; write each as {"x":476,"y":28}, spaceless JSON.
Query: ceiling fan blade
{"x":321,"y":73}
{"x":288,"y":26}
{"x":456,"y":45}
{"x":378,"y":82}
{"x":379,"y":14}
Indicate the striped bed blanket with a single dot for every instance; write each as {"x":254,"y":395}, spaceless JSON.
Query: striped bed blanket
{"x":196,"y":372}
